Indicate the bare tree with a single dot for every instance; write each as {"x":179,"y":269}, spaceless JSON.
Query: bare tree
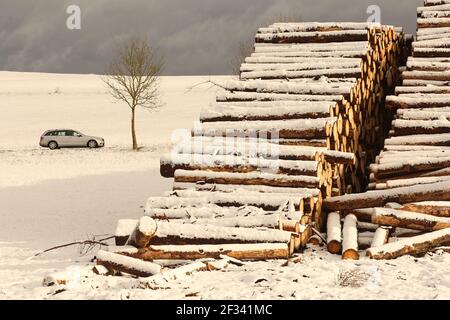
{"x":133,"y":77}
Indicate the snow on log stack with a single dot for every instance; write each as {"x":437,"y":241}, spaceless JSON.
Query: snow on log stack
{"x":299,"y":125}
{"x":410,"y":179}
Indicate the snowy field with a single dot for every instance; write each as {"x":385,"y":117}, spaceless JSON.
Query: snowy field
{"x":50,"y":198}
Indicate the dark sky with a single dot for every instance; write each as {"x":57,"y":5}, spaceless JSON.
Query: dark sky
{"x":194,"y":36}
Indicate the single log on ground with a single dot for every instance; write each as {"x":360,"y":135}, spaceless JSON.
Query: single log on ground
{"x":417,"y":245}
{"x":121,"y":263}
{"x":334,"y":233}
{"x":350,"y":238}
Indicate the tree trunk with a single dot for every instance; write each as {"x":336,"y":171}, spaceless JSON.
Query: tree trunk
{"x":133,"y":128}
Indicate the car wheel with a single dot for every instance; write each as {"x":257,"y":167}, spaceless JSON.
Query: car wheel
{"x":53,"y":145}
{"x":92,"y":144}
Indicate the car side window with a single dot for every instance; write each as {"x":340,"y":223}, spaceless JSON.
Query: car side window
{"x":61,"y":133}
{"x":70,"y":133}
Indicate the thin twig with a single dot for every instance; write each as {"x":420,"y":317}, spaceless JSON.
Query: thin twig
{"x":90,"y":243}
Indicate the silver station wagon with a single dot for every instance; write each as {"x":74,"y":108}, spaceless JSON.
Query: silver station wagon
{"x":68,"y":138}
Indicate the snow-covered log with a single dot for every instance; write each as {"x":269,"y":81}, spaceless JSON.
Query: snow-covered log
{"x":434,"y":14}
{"x":435,"y":2}
{"x":389,"y":184}
{"x":442,"y":139}
{"x":424,"y":114}
{"x":433,"y":22}
{"x":417,"y":245}
{"x":425,"y":65}
{"x":350,"y":238}
{"x":287,"y":88}
{"x":159,"y":280}
{"x":400,"y":168}
{"x":242,"y":96}
{"x":313,"y":26}
{"x":310,"y":37}
{"x":419,"y":101}
{"x":256,"y":251}
{"x":250,"y":178}
{"x":440,"y":7}
{"x":378,"y":198}
{"x":230,"y":163}
{"x":331,"y":46}
{"x":143,"y":233}
{"x":334,"y":233}
{"x":243,"y":188}
{"x":122,"y":263}
{"x":303,"y":109}
{"x":287,"y":129}
{"x":324,"y":63}
{"x":435,"y":208}
{"x":267,"y":202}
{"x":408,"y":220}
{"x":380,"y":237}
{"x":176,"y":233}
{"x":292,"y":74}
{"x":299,"y":56}
{"x":432,"y":53}
{"x":123,"y":230}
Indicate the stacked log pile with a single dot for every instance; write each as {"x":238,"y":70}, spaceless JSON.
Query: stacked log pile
{"x":410,"y":179}
{"x":294,"y":129}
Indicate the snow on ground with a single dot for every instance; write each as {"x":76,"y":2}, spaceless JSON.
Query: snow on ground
{"x":53,"y":197}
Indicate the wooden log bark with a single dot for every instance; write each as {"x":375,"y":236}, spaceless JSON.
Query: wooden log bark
{"x":268,"y":202}
{"x":380,"y":238}
{"x":408,"y":220}
{"x":304,"y":110}
{"x":350,"y":238}
{"x":334,"y":232}
{"x":431,"y":53}
{"x":173,"y":233}
{"x":311,"y":37}
{"x":417,"y":245}
{"x":442,"y":139}
{"x":143,"y":233}
{"x":245,"y":252}
{"x":378,"y":198}
{"x":288,"y":129}
{"x":313,"y":26}
{"x":292,"y":74}
{"x":242,"y":96}
{"x":439,"y":209}
{"x":121,"y":263}
{"x":252,"y":178}
{"x":400,"y":168}
{"x":230,"y":163}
